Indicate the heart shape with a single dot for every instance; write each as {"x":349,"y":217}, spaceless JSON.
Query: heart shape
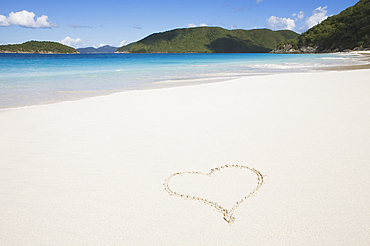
{"x":228,"y":215}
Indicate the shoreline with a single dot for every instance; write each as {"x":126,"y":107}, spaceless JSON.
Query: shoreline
{"x":346,"y":68}
{"x":365,"y":54}
{"x":167,"y":86}
{"x":163,"y":84}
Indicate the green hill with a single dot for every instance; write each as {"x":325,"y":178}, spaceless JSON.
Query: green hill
{"x":38,"y":47}
{"x":209,"y":40}
{"x":349,"y":30}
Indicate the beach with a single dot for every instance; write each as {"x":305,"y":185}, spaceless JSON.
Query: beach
{"x":94,"y":171}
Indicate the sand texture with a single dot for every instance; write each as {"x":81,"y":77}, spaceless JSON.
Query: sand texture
{"x":290,"y":152}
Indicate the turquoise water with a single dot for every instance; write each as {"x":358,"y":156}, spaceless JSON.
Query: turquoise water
{"x":32,"y":79}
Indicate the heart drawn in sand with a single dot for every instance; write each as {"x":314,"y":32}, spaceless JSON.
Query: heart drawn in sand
{"x":228,"y":214}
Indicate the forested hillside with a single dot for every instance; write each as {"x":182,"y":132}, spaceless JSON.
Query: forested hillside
{"x":346,"y":31}
{"x":209,"y":40}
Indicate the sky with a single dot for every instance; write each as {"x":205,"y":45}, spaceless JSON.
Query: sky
{"x":96,"y":23}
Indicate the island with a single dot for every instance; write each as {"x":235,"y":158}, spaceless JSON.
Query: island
{"x":38,"y":47}
{"x":107,"y":49}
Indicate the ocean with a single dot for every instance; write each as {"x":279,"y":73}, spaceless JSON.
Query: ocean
{"x":34,"y":79}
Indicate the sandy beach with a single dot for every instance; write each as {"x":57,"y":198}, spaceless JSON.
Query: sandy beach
{"x":95,"y":171}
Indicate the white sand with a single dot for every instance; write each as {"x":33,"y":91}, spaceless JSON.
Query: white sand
{"x":91,"y":172}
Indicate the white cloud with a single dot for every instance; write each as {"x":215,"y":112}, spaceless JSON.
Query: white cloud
{"x":76,"y":43}
{"x":193,"y":25}
{"x":318,"y":15}
{"x":99,"y":45}
{"x":259,"y":1}
{"x":26,"y":19}
{"x":279,"y":23}
{"x":122,"y":43}
{"x":300,"y":15}
{"x":4,"y":21}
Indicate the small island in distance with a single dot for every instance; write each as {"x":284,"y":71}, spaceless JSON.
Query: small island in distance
{"x":38,"y":47}
{"x":107,"y":49}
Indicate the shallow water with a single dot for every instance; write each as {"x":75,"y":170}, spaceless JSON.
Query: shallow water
{"x":32,"y":79}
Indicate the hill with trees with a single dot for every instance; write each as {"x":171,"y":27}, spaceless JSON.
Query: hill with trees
{"x":44,"y":47}
{"x":349,"y":30}
{"x":209,"y":40}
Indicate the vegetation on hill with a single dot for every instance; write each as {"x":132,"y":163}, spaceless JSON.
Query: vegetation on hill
{"x":209,"y":40}
{"x":348,"y":30}
{"x":38,"y":47}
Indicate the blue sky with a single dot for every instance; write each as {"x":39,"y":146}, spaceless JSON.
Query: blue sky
{"x":117,"y":22}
